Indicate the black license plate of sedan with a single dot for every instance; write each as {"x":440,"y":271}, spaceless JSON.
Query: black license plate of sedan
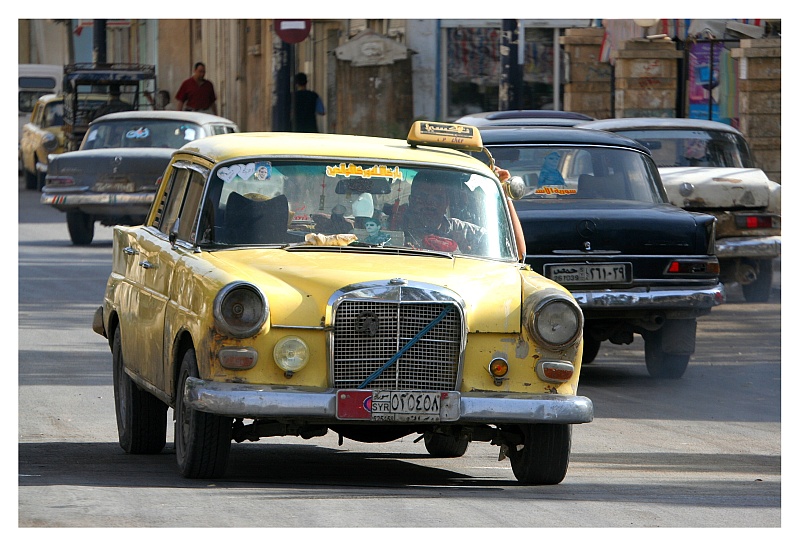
{"x":589,"y":273}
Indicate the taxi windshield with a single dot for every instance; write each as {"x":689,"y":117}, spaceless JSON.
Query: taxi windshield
{"x":374,"y":205}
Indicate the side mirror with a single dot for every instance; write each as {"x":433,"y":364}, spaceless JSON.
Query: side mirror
{"x":173,"y":232}
{"x":514,"y":187}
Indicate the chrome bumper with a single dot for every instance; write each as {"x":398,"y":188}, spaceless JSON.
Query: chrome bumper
{"x":639,"y":298}
{"x":113,"y":199}
{"x":749,"y":247}
{"x":267,"y":401}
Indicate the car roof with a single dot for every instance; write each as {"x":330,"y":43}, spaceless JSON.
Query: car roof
{"x":619,"y":124}
{"x":196,"y":117}
{"x":524,"y":117}
{"x":557,"y":136}
{"x":220,"y":148}
{"x":50,"y":97}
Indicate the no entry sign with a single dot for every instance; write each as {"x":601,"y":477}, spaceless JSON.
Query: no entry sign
{"x":292,"y":31}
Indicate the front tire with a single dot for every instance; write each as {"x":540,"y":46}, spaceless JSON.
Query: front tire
{"x":591,"y":347}
{"x":759,"y":290}
{"x":81,"y":227}
{"x":202,"y":440}
{"x":544,"y":457}
{"x":141,"y":417}
{"x":30,"y":179}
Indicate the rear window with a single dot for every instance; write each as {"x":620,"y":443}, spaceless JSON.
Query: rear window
{"x":581,"y":172}
{"x":694,"y":148}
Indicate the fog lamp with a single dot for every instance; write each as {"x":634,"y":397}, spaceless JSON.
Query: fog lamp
{"x":291,"y":354}
{"x":498,"y":368}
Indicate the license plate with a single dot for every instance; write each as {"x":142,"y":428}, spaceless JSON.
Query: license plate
{"x":596,"y":273}
{"x":398,"y":406}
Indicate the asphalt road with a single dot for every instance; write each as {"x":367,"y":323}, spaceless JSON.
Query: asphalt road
{"x":702,"y":452}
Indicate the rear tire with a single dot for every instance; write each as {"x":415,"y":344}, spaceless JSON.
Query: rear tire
{"x":444,"y":446}
{"x":141,"y":417}
{"x":660,"y":364}
{"x":202,"y":440}
{"x":81,"y":227}
{"x":544,"y":457}
{"x":759,"y":290}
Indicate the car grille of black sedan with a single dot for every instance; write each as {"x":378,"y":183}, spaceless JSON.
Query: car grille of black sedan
{"x":368,"y":334}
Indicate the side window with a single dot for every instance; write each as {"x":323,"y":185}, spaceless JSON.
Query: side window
{"x":175,"y":194}
{"x":191,"y":204}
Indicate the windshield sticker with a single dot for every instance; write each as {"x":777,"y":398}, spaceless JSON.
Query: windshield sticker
{"x":376,"y":171}
{"x":548,"y":190}
{"x":139,"y":133}
{"x":242,"y":170}
{"x":263,"y":171}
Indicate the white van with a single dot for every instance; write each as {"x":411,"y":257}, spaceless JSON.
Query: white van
{"x":36,"y":80}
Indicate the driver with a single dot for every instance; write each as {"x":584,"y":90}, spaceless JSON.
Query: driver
{"x":426,"y":224}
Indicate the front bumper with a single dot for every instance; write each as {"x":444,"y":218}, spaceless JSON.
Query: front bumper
{"x":319,"y":405}
{"x":648,"y":298}
{"x":749,"y":247}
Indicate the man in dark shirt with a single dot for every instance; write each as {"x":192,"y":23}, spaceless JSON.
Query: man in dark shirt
{"x":307,"y":105}
{"x":196,"y":93}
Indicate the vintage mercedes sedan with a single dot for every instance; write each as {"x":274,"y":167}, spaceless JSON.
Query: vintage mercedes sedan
{"x":113,"y":177}
{"x":287,"y":284}
{"x":706,"y":166}
{"x":596,"y":219}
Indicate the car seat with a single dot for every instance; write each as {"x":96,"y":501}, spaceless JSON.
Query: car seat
{"x":256,"y":220}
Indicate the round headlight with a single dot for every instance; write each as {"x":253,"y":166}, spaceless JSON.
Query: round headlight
{"x":49,"y":142}
{"x":554,"y":321}
{"x":240,"y":310}
{"x":291,"y":354}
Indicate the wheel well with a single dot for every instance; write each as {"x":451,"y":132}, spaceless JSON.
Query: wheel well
{"x":111,"y":327}
{"x":182,"y":344}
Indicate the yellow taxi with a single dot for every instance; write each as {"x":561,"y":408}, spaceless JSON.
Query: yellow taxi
{"x":41,"y":136}
{"x":295,"y":284}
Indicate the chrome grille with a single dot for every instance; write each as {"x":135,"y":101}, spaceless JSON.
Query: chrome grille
{"x":430,"y":364}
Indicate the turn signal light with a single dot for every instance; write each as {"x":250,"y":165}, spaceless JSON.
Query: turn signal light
{"x":238,"y":358}
{"x":557,"y":371}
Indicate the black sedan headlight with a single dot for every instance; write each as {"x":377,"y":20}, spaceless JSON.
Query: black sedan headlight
{"x":240,"y":310}
{"x":552,"y":319}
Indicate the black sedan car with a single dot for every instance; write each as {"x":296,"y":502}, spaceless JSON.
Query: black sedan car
{"x":113,"y":177}
{"x":597,"y":220}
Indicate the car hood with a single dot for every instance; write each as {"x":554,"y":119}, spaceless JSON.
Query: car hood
{"x":720,"y":188}
{"x":298,"y":284}
{"x":573,"y":227}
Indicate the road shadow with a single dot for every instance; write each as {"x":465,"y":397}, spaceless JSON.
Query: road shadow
{"x":320,"y":472}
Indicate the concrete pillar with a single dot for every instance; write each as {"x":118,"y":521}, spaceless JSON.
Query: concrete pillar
{"x":759,"y":87}
{"x":646,"y":78}
{"x":587,"y":87}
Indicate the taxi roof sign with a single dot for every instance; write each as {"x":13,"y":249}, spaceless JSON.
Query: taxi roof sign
{"x":447,"y":135}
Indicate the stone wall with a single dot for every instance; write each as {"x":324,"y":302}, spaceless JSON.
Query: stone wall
{"x":587,"y":88}
{"x":760,"y":101}
{"x":646,"y":79}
